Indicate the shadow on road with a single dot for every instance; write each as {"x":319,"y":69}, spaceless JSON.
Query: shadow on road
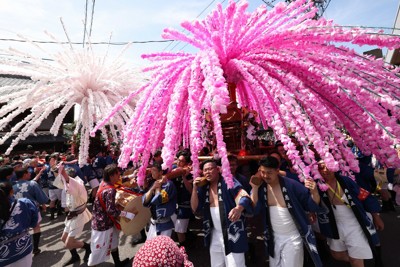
{"x":54,"y":254}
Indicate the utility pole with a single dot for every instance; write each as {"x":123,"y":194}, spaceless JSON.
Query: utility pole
{"x":393,"y":56}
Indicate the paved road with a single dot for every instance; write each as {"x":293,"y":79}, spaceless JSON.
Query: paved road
{"x":53,"y":253}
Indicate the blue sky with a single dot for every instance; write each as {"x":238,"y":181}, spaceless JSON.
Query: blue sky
{"x":134,"y":20}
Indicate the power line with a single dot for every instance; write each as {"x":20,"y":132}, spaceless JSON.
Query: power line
{"x":206,"y":8}
{"x":186,"y":44}
{"x":177,"y":43}
{"x":269,"y":3}
{"x":77,"y":43}
{"x":185,"y":30}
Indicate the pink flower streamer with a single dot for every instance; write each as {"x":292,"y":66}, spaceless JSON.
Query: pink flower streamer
{"x":286,"y":68}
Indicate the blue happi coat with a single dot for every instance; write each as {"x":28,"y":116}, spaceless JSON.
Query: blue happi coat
{"x":298,"y":201}
{"x":359,"y":207}
{"x":366,"y":177}
{"x":184,"y":211}
{"x":30,"y":190}
{"x":163,"y":206}
{"x":15,"y":240}
{"x":88,"y":172}
{"x":236,"y":233}
{"x":244,"y":181}
{"x":49,"y":174}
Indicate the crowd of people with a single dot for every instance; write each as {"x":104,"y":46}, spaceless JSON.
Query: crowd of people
{"x":295,"y":219}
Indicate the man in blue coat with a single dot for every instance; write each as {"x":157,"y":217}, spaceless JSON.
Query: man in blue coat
{"x":283,"y":203}
{"x":223,"y":210}
{"x":351,"y":233}
{"x":30,"y":189}
{"x":161,"y":199}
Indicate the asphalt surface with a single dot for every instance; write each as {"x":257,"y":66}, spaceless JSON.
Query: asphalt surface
{"x":54,"y":254}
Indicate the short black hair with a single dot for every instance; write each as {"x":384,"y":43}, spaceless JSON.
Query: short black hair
{"x":20,"y":173}
{"x":5,"y":171}
{"x":278,"y":143}
{"x":186,"y":154}
{"x":208,"y":161}
{"x":157,"y":153}
{"x":157,"y":166}
{"x":269,"y":162}
{"x":109,"y":171}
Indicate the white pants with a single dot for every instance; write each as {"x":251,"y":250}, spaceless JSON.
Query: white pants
{"x":218,"y":259}
{"x":63,"y":198}
{"x":217,"y":247}
{"x":55,"y":194}
{"x":73,"y":232}
{"x":24,"y":262}
{"x":181,"y":225}
{"x":152,"y":233}
{"x":94,"y":183}
{"x":288,"y":250}
{"x":101,"y":244}
{"x":352,"y":237}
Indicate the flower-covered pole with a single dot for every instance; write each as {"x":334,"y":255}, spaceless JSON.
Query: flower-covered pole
{"x":217,"y":92}
{"x":175,"y":117}
{"x":194,"y":106}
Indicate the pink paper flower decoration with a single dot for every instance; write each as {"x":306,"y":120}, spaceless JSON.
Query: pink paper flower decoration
{"x":74,"y":77}
{"x":286,"y":67}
